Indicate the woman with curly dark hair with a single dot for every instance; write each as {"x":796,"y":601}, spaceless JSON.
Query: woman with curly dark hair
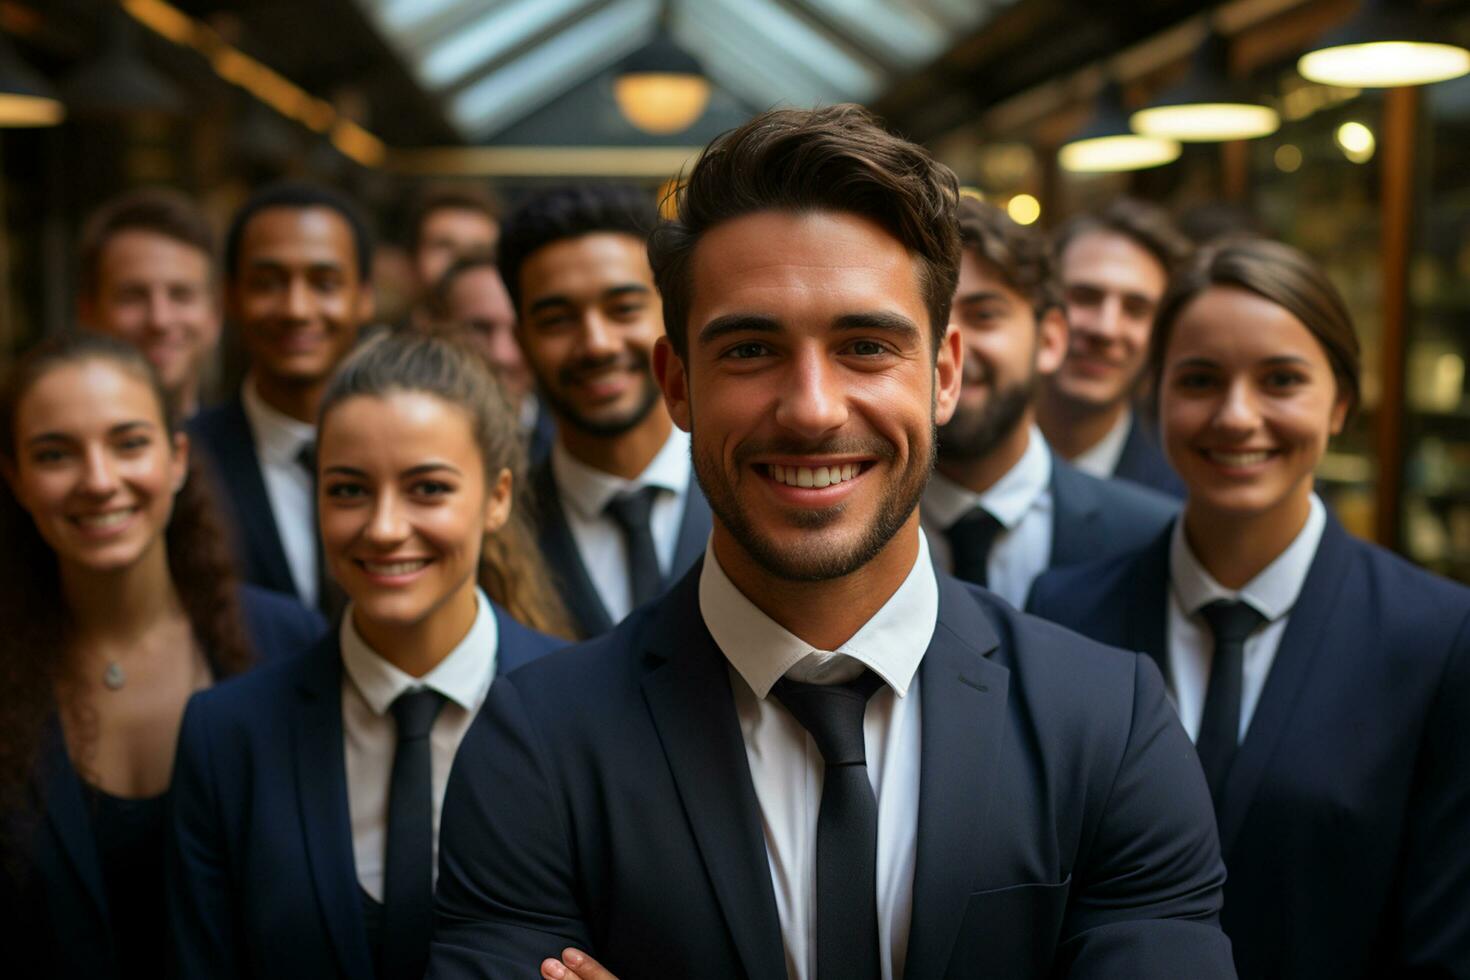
{"x":306,"y":799}
{"x":117,"y":602}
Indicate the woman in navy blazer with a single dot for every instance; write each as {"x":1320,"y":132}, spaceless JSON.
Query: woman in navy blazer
{"x":282,"y":862}
{"x":117,"y":601}
{"x":1343,"y":797}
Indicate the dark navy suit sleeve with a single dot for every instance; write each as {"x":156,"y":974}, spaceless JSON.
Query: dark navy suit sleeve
{"x":278,"y":625}
{"x":507,"y":892}
{"x":1147,"y":901}
{"x":1435,"y":906}
{"x":200,"y":903}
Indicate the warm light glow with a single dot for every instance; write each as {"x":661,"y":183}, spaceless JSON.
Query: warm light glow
{"x":163,"y":19}
{"x":356,"y":143}
{"x":1024,"y":209}
{"x":1207,"y":122}
{"x":974,"y":192}
{"x":661,"y":102}
{"x":1356,"y":141}
{"x":1385,"y":64}
{"x":1288,"y":158}
{"x":17,"y":111}
{"x":1109,"y":154}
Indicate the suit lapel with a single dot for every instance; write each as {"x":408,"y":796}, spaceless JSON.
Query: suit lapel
{"x":321,"y":789}
{"x":239,"y":466}
{"x":693,"y":531}
{"x":963,"y":698}
{"x":1146,"y":606}
{"x":1074,"y":512}
{"x":1311,"y":620}
{"x":560,"y":550}
{"x":66,"y":812}
{"x":689,"y":697}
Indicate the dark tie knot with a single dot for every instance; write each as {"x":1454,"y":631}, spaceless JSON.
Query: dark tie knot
{"x":415,"y":711}
{"x":1231,"y":622}
{"x":970,"y":540}
{"x":832,"y":714}
{"x":306,"y":458}
{"x":632,"y":509}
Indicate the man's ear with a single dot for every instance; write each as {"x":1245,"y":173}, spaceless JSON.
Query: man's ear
{"x":949,"y":370}
{"x":1052,"y":336}
{"x":673,"y":380}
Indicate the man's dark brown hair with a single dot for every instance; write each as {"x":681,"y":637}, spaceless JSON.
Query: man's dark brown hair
{"x":448,"y":197}
{"x":834,"y":159}
{"x":159,"y":210}
{"x":1018,"y":254}
{"x":1146,"y":225}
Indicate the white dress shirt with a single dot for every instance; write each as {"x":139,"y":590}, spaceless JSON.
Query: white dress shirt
{"x":288,"y":486}
{"x":585,"y":493}
{"x":370,"y":685}
{"x":1101,"y":460}
{"x":1271,"y":593}
{"x":1020,"y":500}
{"x":787,"y":768}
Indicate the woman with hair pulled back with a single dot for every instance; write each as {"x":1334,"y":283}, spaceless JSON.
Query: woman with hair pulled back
{"x":117,"y":602}
{"x":307,"y":796}
{"x":1325,"y":681}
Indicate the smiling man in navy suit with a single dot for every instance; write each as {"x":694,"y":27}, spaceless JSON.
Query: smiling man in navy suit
{"x":817,"y":757}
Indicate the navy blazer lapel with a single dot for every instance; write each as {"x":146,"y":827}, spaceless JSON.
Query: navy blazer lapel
{"x":66,"y":812}
{"x":1146,"y":612}
{"x":321,"y":792}
{"x":238,"y":466}
{"x":693,"y":530}
{"x":963,"y":699}
{"x":1310,"y":622}
{"x":1074,"y":512}
{"x":560,"y":550}
{"x":693,"y":709}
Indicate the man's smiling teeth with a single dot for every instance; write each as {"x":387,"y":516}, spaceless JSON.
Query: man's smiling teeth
{"x":1238,"y":459}
{"x":110,"y":519}
{"x":813,"y":477}
{"x":395,"y":567}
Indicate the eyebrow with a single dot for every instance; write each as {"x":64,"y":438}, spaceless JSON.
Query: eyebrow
{"x":979,"y":296}
{"x":1281,"y":360}
{"x":612,"y":292}
{"x":419,"y":470}
{"x":115,"y":430}
{"x":722,"y":326}
{"x":315,"y":265}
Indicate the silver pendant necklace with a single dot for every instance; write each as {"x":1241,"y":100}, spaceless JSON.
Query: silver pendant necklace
{"x":113,"y":677}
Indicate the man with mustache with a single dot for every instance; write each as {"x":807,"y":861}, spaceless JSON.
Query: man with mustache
{"x":1002,"y":508}
{"x":1114,"y":267}
{"x":817,"y":757}
{"x":620,"y":517}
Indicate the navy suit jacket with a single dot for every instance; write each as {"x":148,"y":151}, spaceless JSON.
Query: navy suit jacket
{"x":262,"y":878}
{"x":1346,"y":818}
{"x":541,"y":436}
{"x":602,"y":799}
{"x":1092,"y":518}
{"x":222,"y":436}
{"x":1142,"y":461}
{"x":559,"y":549}
{"x":54,"y":922}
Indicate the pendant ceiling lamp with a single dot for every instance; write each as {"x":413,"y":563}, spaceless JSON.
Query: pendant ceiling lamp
{"x":25,"y":97}
{"x":1109,"y":145}
{"x":1386,"y":44}
{"x":1207,"y":106}
{"x":121,"y":80}
{"x":661,"y":88}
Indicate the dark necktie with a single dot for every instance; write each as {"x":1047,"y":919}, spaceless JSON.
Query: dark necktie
{"x":847,"y":825}
{"x":970,"y":540}
{"x":631,"y":512}
{"x":330,"y":598}
{"x":408,"y":860}
{"x":1219,"y":729}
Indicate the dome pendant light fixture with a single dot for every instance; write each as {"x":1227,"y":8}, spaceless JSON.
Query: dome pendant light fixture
{"x":1387,"y":44}
{"x":661,"y":88}
{"x":1108,"y":145}
{"x":1207,"y":107}
{"x":25,"y":97}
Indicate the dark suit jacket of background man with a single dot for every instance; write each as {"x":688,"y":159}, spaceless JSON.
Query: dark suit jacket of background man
{"x":602,"y":799}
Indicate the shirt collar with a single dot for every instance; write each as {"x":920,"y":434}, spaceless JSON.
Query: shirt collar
{"x":1008,"y":500}
{"x":463,"y":677}
{"x":587,"y":489}
{"x":278,"y":437}
{"x":1272,"y":592}
{"x":891,"y":644}
{"x":1102,"y":459}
